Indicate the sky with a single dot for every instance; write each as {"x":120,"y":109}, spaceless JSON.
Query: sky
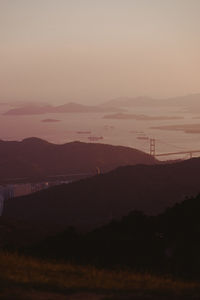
{"x":90,"y":51}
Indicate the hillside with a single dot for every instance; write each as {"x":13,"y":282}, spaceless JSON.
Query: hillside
{"x":26,"y":278}
{"x":165,"y":244}
{"x":96,"y":200}
{"x":168,"y":243}
{"x":36,"y":158}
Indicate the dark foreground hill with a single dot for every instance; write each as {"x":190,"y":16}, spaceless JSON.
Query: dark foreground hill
{"x":167,"y":243}
{"x":26,"y":278}
{"x":96,"y":200}
{"x":36,"y":158}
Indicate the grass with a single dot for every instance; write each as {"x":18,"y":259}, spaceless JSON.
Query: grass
{"x":26,"y":273}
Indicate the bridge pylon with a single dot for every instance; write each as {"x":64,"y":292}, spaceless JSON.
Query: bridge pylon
{"x":153,"y":147}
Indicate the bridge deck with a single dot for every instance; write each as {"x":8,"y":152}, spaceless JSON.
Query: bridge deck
{"x":180,"y":152}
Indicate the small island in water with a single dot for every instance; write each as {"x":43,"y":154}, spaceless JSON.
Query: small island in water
{"x":50,"y":120}
{"x":124,"y":116}
{"x":186,"y":128}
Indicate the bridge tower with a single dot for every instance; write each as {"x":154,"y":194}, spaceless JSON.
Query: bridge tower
{"x":98,"y":171}
{"x":152,"y":147}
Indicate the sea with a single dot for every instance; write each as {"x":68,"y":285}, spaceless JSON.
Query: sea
{"x":125,"y":132}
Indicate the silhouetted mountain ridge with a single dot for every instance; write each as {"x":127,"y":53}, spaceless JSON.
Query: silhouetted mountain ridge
{"x":36,"y":158}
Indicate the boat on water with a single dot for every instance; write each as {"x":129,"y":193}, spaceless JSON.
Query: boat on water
{"x":95,"y":138}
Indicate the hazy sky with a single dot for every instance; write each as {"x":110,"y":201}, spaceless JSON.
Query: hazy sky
{"x":93,"y":50}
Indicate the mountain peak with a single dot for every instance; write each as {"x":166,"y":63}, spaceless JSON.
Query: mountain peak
{"x":34,"y":140}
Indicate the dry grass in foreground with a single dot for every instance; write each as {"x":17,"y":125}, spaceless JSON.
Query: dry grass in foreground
{"x":30,"y":274}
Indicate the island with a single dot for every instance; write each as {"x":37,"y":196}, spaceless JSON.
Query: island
{"x":187,"y":128}
{"x":124,"y":116}
{"x":50,"y":120}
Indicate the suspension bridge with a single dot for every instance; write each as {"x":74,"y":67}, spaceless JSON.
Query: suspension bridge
{"x":189,"y":153}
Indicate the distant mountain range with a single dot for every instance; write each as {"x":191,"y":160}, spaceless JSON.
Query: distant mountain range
{"x":95,"y":201}
{"x":188,"y":101}
{"x":30,"y":109}
{"x":37,"y":159}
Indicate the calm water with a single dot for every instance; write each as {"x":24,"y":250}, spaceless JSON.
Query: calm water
{"x":115,"y":132}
